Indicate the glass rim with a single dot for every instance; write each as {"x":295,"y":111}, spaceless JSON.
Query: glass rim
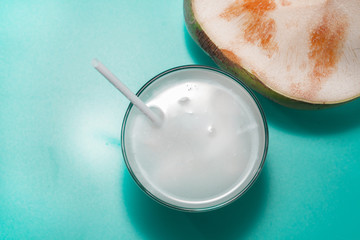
{"x":240,"y":193}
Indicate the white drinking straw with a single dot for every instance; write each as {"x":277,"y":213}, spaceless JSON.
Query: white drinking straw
{"x":126,"y":91}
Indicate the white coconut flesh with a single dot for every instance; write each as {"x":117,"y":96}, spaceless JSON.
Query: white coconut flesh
{"x":308,"y":50}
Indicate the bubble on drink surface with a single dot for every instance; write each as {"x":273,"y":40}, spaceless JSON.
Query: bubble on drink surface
{"x":188,"y":86}
{"x":191,"y":86}
{"x":184,"y":100}
{"x":211,"y":130}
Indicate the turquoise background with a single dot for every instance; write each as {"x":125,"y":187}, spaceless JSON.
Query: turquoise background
{"x":62,"y":175}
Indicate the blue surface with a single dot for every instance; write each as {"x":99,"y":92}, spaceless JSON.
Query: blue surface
{"x":62,"y":175}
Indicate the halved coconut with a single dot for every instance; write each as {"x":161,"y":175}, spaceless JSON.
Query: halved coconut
{"x":300,"y":53}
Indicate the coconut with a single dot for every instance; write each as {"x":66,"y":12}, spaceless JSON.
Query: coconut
{"x":300,"y":53}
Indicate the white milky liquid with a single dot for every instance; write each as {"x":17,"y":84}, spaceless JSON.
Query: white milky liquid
{"x":211,"y":143}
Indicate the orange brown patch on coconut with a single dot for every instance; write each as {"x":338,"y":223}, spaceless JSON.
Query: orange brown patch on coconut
{"x":259,"y":28}
{"x":231,"y":56}
{"x":297,"y":91}
{"x":263,"y":30}
{"x":234,"y":10}
{"x":258,"y":7}
{"x":326,"y":47}
{"x":285,"y":3}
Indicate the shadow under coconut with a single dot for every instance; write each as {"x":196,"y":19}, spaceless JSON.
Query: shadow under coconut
{"x":234,"y":221}
{"x":326,"y":121}
{"x":318,"y":122}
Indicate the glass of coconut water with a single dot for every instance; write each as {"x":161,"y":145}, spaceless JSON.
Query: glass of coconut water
{"x":197,"y":138}
{"x":211,"y":143}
